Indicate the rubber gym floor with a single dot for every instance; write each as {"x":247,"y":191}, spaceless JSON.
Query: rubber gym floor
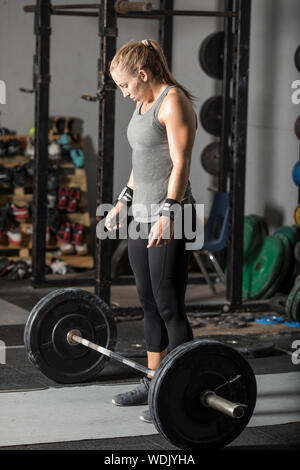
{"x":17,"y":374}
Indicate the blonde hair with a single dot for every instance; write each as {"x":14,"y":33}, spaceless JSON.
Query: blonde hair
{"x":136,"y":55}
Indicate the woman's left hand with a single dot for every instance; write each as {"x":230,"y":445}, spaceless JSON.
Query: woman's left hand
{"x":161,"y":232}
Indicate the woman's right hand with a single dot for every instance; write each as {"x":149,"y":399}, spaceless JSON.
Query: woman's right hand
{"x":116,"y":217}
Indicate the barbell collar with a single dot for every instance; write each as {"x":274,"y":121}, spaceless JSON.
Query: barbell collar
{"x":211,"y":399}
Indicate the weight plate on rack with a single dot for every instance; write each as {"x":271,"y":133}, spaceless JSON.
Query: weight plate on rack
{"x":290,"y":299}
{"x":287,"y":261}
{"x":45,"y":335}
{"x":297,"y":215}
{"x":297,"y":58}
{"x":211,"y":55}
{"x":211,"y":115}
{"x":295,"y":308}
{"x":261,"y":271}
{"x":297,"y":127}
{"x":297,"y":251}
{"x":210,"y":158}
{"x":191,"y":369}
{"x":290,"y":231}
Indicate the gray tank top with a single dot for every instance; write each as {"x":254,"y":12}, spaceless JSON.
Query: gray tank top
{"x":151,"y":162}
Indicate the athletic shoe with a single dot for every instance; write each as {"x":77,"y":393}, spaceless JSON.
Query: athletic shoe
{"x":54,"y":151}
{"x":29,"y":168}
{"x":21,"y":270}
{"x":63,"y":198}
{"x":4,"y":131}
{"x":137,"y":396}
{"x":4,"y":212}
{"x":5,"y":266}
{"x":51,"y":198}
{"x":146,"y":416}
{"x":3,"y":237}
{"x":73,"y":201}
{"x":29,"y":151}
{"x":14,"y":236}
{"x":64,"y":233}
{"x":5,"y":175}
{"x":20,"y":213}
{"x":77,"y":234}
{"x":52,"y":181}
{"x":81,"y":250}
{"x":67,"y":248}
{"x":65,"y":145}
{"x":12,"y":147}
{"x":53,"y":219}
{"x":77,"y":157}
{"x":18,"y":175}
{"x":59,"y":267}
{"x":2,"y":149}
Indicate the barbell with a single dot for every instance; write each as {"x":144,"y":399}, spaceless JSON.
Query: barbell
{"x":201,"y":396}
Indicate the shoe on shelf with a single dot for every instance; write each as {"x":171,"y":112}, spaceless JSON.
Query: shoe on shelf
{"x":146,"y":416}
{"x":73,"y":201}
{"x":14,"y":236}
{"x":4,"y":131}
{"x":67,"y":248}
{"x":19,"y":175}
{"x":54,"y":151}
{"x":65,"y":145}
{"x":29,"y":151}
{"x":59,"y":267}
{"x":2,"y":149}
{"x":77,"y":157}
{"x":12,"y":147}
{"x":5,"y":266}
{"x":20,"y":213}
{"x":21,"y":270}
{"x":63,"y":198}
{"x":81,"y":250}
{"x":137,"y":396}
{"x":5,"y":175}
{"x":64,"y":233}
{"x":77,"y":234}
{"x":53,"y":219}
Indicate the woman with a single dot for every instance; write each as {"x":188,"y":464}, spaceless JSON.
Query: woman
{"x":161,"y":133}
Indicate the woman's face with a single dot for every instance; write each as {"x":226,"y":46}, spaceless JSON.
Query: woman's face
{"x":132,"y":87}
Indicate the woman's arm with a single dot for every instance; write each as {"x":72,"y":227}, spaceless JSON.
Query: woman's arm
{"x":130,"y":181}
{"x":179,"y":118}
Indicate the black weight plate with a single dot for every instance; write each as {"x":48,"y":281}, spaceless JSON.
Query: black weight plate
{"x":297,"y":58}
{"x":278,"y":304}
{"x":45,"y":335}
{"x":210,"y":158}
{"x":179,"y":381}
{"x":211,"y":55}
{"x":249,"y":346}
{"x":211,"y":115}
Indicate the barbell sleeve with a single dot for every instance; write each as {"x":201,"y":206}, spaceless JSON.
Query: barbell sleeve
{"x":211,"y":399}
{"x":113,"y":355}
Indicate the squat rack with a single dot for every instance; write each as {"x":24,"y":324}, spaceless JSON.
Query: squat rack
{"x":233,"y":137}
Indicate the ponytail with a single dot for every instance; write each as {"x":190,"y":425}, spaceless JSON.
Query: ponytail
{"x":136,"y":55}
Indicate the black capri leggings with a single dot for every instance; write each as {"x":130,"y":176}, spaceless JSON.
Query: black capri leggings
{"x":161,"y":275}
